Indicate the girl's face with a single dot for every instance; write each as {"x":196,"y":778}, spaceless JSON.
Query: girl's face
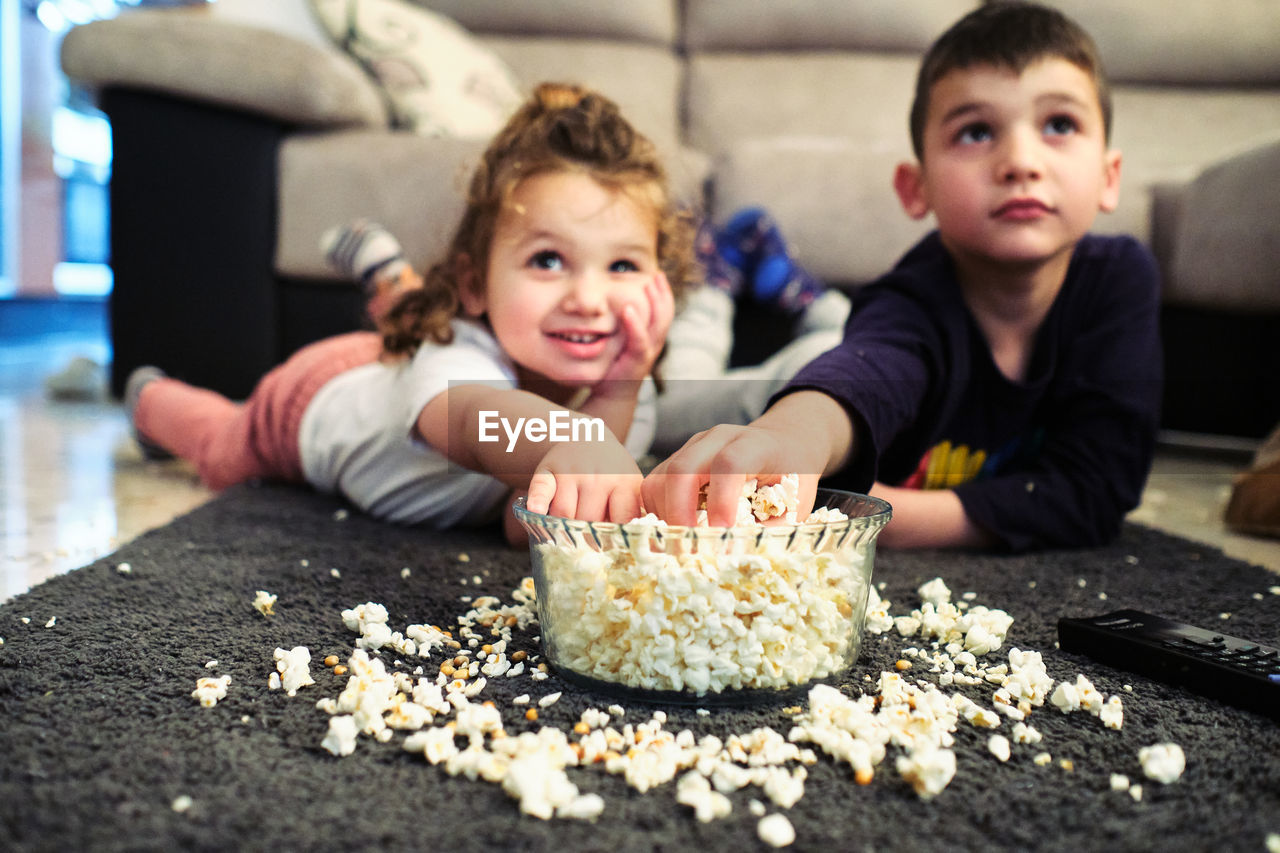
{"x":567,"y":255}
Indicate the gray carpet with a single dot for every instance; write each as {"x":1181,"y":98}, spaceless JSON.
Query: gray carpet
{"x":99,"y":733}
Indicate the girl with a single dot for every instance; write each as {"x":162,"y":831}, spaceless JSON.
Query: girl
{"x":547,"y":313}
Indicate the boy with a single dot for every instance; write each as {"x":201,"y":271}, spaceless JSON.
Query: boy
{"x":1000,"y":385}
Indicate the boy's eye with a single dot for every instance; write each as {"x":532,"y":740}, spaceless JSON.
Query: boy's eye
{"x":623,"y":266}
{"x":1060,"y":126}
{"x":971,"y":134}
{"x":546,"y":260}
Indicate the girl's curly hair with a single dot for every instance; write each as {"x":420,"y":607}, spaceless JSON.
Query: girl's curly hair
{"x":561,"y":127}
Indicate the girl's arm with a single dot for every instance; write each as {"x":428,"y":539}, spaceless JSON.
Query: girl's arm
{"x":512,"y":435}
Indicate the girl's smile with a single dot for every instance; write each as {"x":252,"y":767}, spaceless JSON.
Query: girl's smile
{"x":569,"y":255}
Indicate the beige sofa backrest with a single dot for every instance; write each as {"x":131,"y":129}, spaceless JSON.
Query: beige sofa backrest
{"x":626,"y":50}
{"x":1193,"y":83}
{"x":803,"y":107}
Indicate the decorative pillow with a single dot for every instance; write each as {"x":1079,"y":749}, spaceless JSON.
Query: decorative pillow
{"x":438,"y":80}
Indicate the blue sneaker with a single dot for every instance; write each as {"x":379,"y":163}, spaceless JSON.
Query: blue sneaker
{"x":752,"y":242}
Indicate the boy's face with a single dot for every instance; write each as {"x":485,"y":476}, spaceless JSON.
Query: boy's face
{"x":568,"y":254}
{"x":1015,"y":166}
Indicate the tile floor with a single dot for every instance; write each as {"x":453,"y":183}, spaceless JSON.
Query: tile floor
{"x":73,"y":487}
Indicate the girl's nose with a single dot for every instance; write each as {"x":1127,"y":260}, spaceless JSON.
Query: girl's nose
{"x":586,"y":295}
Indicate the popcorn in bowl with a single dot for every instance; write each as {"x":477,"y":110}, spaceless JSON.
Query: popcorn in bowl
{"x":700,"y":613}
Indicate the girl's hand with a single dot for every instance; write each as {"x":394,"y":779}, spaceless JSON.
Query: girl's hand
{"x":644,"y":341}
{"x":596,"y":481}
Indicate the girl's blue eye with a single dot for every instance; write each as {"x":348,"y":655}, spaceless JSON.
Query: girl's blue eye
{"x":1060,"y":126}
{"x":623,"y":266}
{"x":547,"y":260}
{"x":974,"y":133}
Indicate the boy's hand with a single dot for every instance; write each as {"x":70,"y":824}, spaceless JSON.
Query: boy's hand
{"x":805,"y":433}
{"x":723,"y":459}
{"x":644,"y":341}
{"x":596,"y":481}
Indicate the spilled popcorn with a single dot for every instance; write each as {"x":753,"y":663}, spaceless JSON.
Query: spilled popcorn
{"x":426,"y":686}
{"x":209,"y":690}
{"x":1163,"y":762}
{"x":453,"y":728}
{"x":264,"y":602}
{"x":776,"y":830}
{"x":292,"y":670}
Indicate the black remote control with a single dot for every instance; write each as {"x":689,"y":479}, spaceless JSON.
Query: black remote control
{"x":1225,"y":668}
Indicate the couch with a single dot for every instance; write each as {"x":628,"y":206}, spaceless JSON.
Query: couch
{"x":238,"y":142}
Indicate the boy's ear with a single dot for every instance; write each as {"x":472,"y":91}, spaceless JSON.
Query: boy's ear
{"x":470,"y":290}
{"x":908,"y":183}
{"x":1110,"y":182}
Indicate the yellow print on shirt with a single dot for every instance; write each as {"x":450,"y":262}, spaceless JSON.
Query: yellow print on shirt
{"x":948,"y":466}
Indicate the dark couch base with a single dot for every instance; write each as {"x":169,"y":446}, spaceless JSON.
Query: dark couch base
{"x":193,"y":236}
{"x":1222,"y":372}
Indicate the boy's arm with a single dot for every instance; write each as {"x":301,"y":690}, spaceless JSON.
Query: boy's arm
{"x":935,"y":518}
{"x":806,"y":432}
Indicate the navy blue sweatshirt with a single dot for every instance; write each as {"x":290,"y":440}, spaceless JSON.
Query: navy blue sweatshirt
{"x":1053,"y":461}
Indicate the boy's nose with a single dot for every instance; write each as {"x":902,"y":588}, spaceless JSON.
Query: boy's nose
{"x":1019,"y":158}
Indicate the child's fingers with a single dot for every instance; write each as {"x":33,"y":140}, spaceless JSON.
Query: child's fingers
{"x":637,"y":334}
{"x":624,"y":504}
{"x":565,"y":502}
{"x":662,"y":306}
{"x":672,"y":495}
{"x":542,"y":488}
{"x":592,"y":504}
{"x":673,"y":488}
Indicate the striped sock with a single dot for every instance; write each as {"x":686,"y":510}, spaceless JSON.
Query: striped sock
{"x":363,"y":251}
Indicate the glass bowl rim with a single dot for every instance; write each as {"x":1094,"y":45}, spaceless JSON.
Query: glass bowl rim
{"x":883,"y":512}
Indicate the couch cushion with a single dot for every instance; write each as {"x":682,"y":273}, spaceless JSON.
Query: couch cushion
{"x":292,"y":17}
{"x":863,"y":96}
{"x":832,"y":197}
{"x":1183,"y":41}
{"x":438,"y":79}
{"x":634,"y":20}
{"x":891,"y":25}
{"x":643,"y":79}
{"x":1227,"y":246}
{"x":411,"y":184}
{"x":190,"y":54}
{"x":1168,"y":134}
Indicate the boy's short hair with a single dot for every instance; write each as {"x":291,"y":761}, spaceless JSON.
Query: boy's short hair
{"x":1008,"y":34}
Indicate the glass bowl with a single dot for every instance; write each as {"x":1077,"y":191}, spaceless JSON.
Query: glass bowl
{"x":704,"y":615}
